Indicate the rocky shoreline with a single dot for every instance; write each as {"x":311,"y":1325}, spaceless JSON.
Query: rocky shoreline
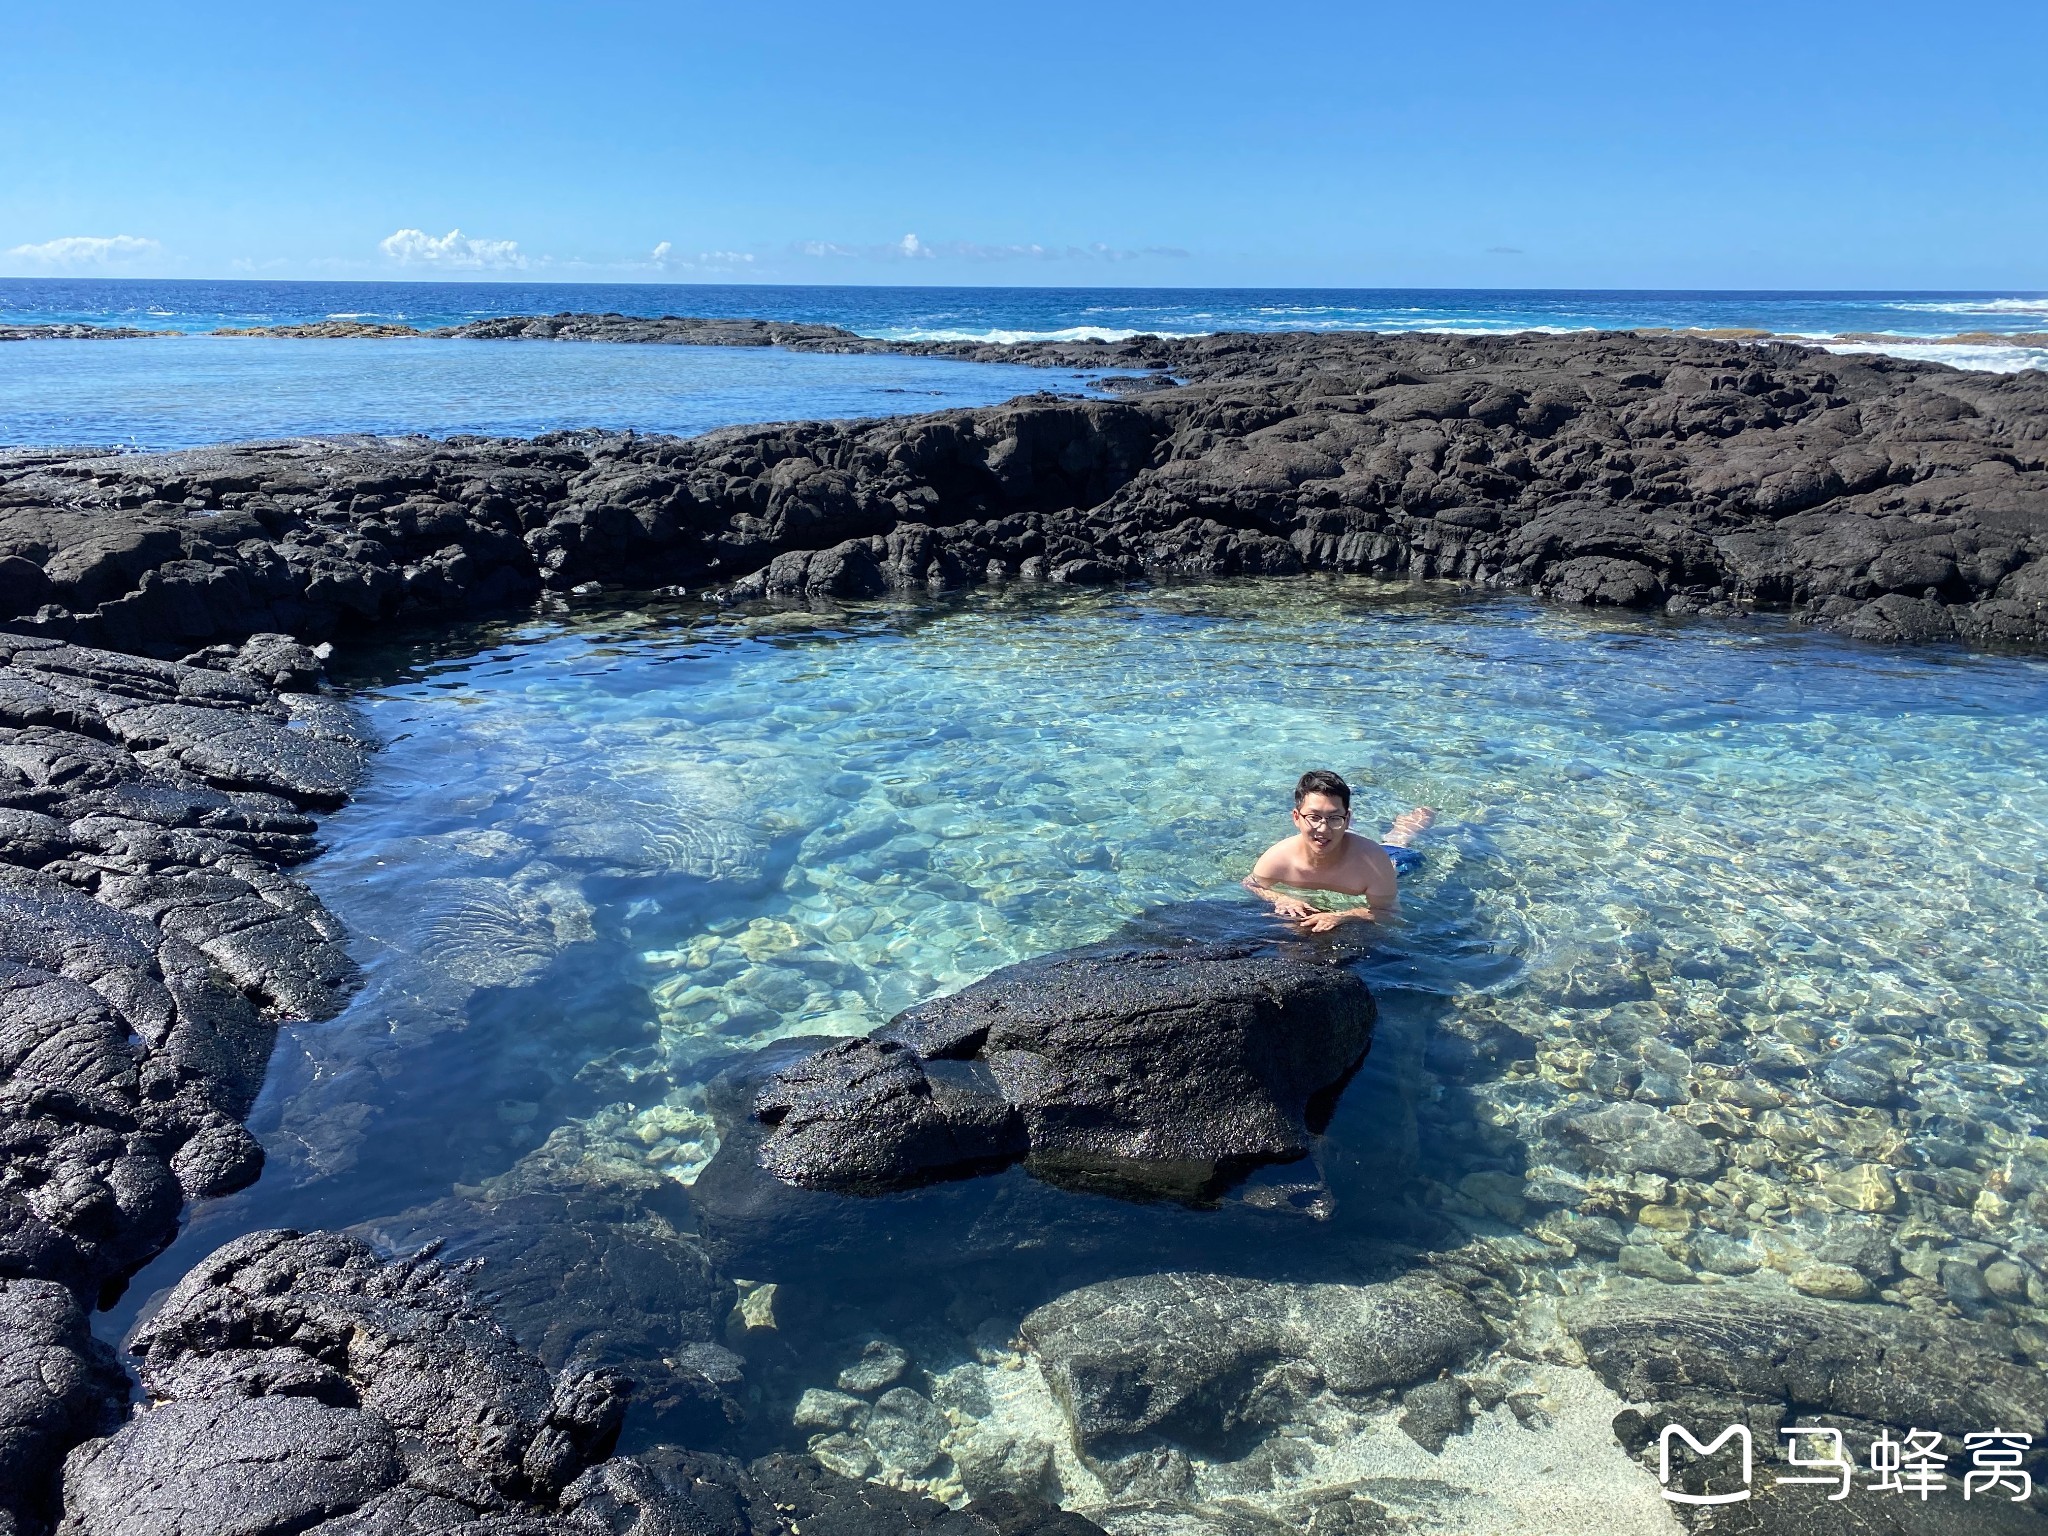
{"x":1884,"y":499}
{"x":152,"y":939}
{"x":164,"y":749}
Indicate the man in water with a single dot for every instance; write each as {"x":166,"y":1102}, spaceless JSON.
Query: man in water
{"x":1325,"y":855}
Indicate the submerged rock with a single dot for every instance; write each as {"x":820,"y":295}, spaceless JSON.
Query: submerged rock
{"x":1157,"y":1071}
{"x":589,"y":1279}
{"x":881,"y":1364}
{"x":674,"y":1492}
{"x":905,"y":1430}
{"x":1882,"y":1365}
{"x":1207,"y":1361}
{"x":1637,"y":1138}
{"x":1435,"y":1411}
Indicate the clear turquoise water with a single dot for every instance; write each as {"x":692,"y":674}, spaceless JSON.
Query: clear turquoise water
{"x":1686,"y":863}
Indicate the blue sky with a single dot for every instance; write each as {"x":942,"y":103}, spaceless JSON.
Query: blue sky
{"x":1735,"y":145}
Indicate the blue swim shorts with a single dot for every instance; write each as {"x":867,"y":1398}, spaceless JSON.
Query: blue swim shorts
{"x":1406,"y":860}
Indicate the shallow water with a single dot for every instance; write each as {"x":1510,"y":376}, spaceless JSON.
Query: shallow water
{"x":1785,"y":885}
{"x":188,"y":391}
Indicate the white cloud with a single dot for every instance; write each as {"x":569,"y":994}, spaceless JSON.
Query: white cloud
{"x":411,"y":247}
{"x":86,"y":250}
{"x":911,"y":247}
{"x":667,"y":258}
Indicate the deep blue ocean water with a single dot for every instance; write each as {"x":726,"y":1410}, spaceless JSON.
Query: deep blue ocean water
{"x":196,"y":388}
{"x":1014,"y":314}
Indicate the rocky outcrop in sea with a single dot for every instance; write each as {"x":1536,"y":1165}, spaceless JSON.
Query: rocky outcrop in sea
{"x":1887,"y":499}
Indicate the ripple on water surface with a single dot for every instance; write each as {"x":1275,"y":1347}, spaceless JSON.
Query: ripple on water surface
{"x":1779,"y":889}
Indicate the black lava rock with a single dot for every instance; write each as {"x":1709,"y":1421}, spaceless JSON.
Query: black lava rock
{"x":300,"y":1380}
{"x":1896,"y":501}
{"x":58,"y":1385}
{"x":1162,"y":1071}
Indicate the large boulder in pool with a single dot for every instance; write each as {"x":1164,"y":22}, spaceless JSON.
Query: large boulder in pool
{"x":1156,"y":1071}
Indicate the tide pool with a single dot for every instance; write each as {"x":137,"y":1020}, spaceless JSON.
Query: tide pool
{"x":1783,"y":889}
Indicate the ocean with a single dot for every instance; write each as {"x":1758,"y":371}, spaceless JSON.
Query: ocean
{"x":1034,"y":314}
{"x":199,"y":388}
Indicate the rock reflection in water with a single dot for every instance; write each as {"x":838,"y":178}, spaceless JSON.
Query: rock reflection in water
{"x":1720,"y":985}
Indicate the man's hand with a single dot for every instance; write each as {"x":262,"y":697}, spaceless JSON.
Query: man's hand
{"x":1328,"y":922}
{"x":1283,"y":906}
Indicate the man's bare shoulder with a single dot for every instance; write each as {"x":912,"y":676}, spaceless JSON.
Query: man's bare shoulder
{"x":1276,"y":862}
{"x":1367,"y":851}
{"x":1373,"y":871}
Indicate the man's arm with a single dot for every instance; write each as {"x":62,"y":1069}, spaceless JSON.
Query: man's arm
{"x":1260,"y":883}
{"x":1382,"y":893}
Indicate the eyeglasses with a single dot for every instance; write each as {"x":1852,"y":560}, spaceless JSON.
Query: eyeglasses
{"x":1318,"y":819}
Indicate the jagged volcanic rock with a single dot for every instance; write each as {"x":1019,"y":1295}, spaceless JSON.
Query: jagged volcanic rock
{"x":1164,"y":1071}
{"x":1892,"y":500}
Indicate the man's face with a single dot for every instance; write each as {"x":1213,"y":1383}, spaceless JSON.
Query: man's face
{"x":1322,"y":820}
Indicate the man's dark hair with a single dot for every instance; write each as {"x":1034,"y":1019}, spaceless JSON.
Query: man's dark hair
{"x":1320,"y":781}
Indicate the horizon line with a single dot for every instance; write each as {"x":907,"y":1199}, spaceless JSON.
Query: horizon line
{"x":512,"y":282}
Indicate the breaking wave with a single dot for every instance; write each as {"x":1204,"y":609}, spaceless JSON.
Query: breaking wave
{"x":2036,"y":305}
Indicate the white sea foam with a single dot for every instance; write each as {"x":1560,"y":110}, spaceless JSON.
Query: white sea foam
{"x":1418,"y":322}
{"x":2037,"y":305}
{"x":1070,"y":333}
{"x":1979,"y":359}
